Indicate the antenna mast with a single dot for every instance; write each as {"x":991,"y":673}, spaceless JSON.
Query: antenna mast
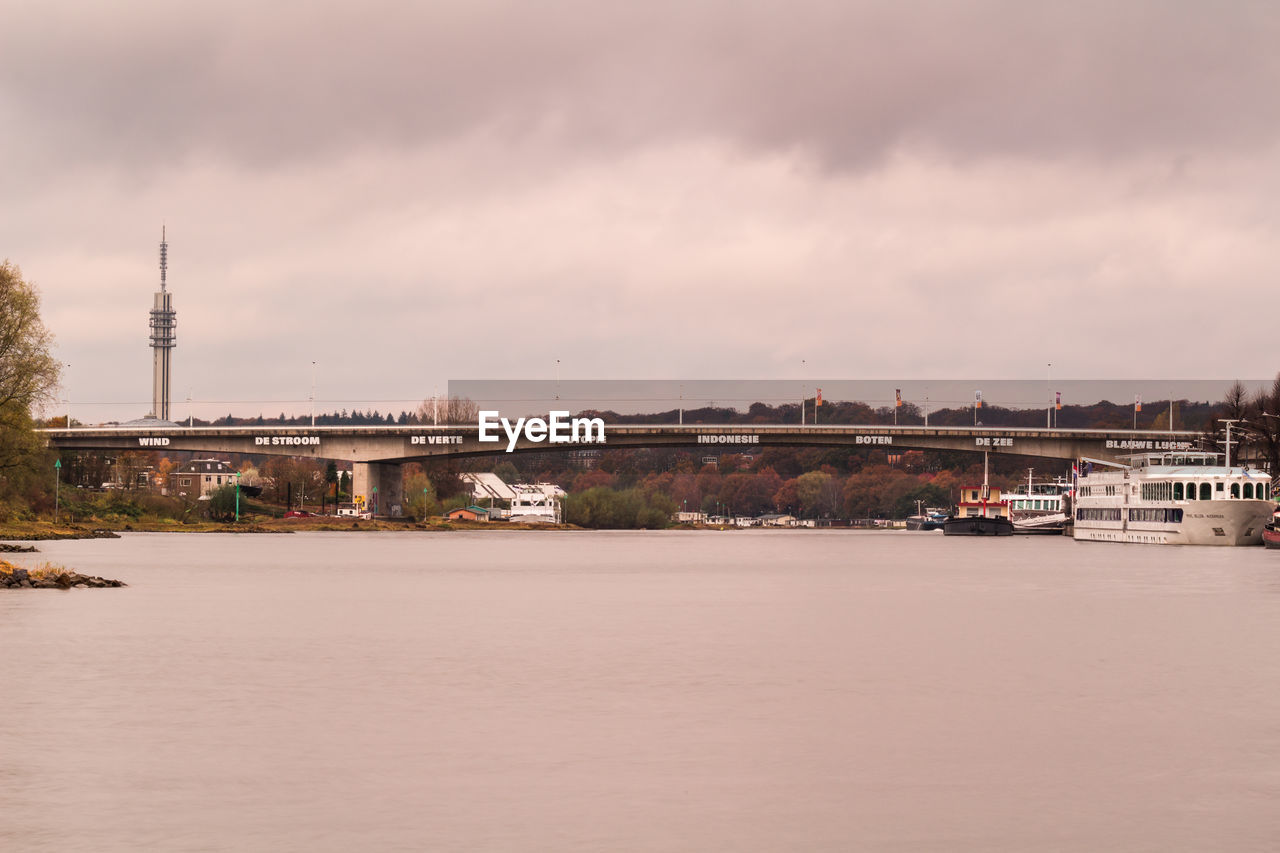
{"x":164,"y":321}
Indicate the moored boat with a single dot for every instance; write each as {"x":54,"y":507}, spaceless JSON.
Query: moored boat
{"x":926,"y":519}
{"x":1039,"y":507}
{"x":1271,"y":532}
{"x":980,"y":512}
{"x":533,"y":505}
{"x":1176,"y":498}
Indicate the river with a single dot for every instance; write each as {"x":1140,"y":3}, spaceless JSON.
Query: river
{"x":639,"y":691}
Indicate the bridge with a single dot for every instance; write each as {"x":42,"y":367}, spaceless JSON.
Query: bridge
{"x":377,"y":452}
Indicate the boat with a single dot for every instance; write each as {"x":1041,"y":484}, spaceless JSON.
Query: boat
{"x":1271,"y":532}
{"x":926,"y":519}
{"x":980,"y":511}
{"x":1172,"y":498}
{"x":533,"y":505}
{"x":1040,"y":507}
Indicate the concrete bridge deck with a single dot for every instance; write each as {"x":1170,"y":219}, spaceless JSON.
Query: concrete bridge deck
{"x":376,"y":452}
{"x":404,"y":443}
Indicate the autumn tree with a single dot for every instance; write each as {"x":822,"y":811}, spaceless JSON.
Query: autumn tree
{"x":420,"y":495}
{"x":28,"y":375}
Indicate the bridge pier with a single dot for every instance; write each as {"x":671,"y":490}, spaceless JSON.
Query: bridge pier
{"x":382,"y":485}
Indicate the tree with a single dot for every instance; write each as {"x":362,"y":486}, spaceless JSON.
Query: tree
{"x":330,"y":482}
{"x":420,"y":495}
{"x":507,"y":472}
{"x":454,"y":411}
{"x":812,"y":493}
{"x":222,"y":503}
{"x":28,"y":372}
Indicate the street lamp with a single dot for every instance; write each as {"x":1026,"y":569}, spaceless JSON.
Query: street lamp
{"x":1048,"y":386}
{"x":803,"y":389}
{"x":313,"y":393}
{"x":237,"y":497}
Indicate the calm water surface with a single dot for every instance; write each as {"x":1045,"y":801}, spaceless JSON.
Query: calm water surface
{"x":736,"y":691}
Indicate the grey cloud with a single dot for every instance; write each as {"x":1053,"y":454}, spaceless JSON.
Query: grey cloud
{"x":259,"y":84}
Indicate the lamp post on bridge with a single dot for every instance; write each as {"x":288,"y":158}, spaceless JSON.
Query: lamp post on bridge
{"x":66,"y":387}
{"x":803,"y":391}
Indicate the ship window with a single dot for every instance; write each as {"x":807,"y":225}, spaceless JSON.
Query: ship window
{"x":1177,"y":491}
{"x":1206,"y":491}
{"x":1235,"y":490}
{"x":1248,"y":490}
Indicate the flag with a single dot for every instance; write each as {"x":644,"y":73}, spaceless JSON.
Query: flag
{"x":977,"y":399}
{"x":1137,"y":403}
{"x":1059,"y":393}
{"x":819,"y":402}
{"x":898,"y":397}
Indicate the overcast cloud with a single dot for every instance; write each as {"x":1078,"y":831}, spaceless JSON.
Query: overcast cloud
{"x":408,"y":193}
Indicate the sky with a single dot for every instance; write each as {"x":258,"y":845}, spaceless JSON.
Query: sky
{"x":411,"y":193}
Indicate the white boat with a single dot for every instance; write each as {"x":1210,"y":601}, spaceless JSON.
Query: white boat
{"x":1039,"y":507}
{"x":1176,"y":498}
{"x":534,"y":506}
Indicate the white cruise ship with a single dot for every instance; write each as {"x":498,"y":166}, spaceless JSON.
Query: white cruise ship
{"x":1177,"y":498}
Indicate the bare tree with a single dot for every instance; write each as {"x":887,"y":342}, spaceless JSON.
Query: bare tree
{"x":454,"y":411}
{"x":1265,"y":418}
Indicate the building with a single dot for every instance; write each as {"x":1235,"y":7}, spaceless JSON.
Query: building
{"x":197,"y":478}
{"x":468,"y":513}
{"x":683,"y":517}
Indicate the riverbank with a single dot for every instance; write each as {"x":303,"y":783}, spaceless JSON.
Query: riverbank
{"x":36,"y":531}
{"x":30,"y":531}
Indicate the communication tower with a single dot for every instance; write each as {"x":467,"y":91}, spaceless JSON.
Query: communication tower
{"x":164,"y":321}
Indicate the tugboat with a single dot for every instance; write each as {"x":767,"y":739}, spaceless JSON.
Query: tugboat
{"x":980,"y":511}
{"x":1271,"y":533}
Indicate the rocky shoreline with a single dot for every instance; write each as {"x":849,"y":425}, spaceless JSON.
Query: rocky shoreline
{"x":12,"y":577}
